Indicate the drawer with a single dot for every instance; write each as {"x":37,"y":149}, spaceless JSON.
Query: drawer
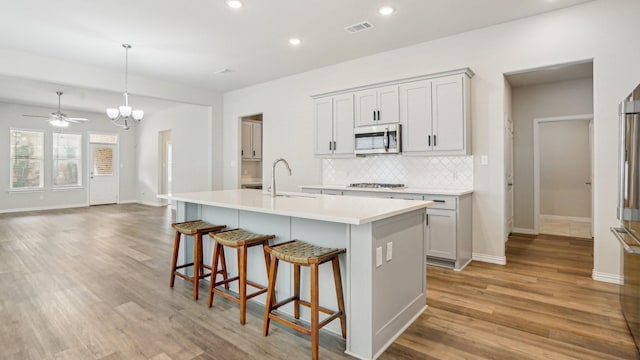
{"x":407,"y":196}
{"x":442,"y":202}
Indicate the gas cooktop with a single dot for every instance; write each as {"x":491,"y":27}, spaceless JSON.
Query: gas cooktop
{"x":377,"y":186}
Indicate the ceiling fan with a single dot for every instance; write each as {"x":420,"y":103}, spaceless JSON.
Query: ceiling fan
{"x":58,"y":118}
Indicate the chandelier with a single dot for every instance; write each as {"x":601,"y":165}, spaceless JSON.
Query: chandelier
{"x":124,"y":116}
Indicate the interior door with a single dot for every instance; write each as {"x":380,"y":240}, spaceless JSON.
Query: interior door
{"x":508,"y":137}
{"x":590,"y":182}
{"x":103,"y":177}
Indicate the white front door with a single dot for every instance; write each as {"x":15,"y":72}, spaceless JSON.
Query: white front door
{"x":103,"y":177}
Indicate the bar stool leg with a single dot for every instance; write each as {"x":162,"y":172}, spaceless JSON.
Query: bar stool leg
{"x":296,"y":291}
{"x":271,"y":295}
{"x":315,"y":319}
{"x":174,"y":259}
{"x":223,"y":265}
{"x":197,"y":260}
{"x":216,"y":255}
{"x":338,"y":281}
{"x":242,"y":264}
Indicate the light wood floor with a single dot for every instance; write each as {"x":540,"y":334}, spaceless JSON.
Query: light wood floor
{"x":92,"y":283}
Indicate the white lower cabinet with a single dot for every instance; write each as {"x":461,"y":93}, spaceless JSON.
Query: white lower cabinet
{"x":448,"y":241}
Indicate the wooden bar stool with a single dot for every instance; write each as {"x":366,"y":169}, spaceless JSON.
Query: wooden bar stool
{"x":299,"y":254}
{"x":241,"y":240}
{"x":195,"y":228}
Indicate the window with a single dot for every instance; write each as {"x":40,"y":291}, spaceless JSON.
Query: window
{"x":27,"y":165}
{"x":67,"y":160}
{"x":103,"y":139}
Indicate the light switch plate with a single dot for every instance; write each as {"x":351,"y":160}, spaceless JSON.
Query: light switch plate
{"x":484,"y":160}
{"x":379,"y":256}
{"x":389,"y":251}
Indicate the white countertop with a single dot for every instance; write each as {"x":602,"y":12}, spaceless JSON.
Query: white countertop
{"x":339,"y":209}
{"x":456,"y":192}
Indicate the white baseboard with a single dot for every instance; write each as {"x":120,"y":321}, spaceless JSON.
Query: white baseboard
{"x":524,"y":231}
{"x":606,"y":277}
{"x":149,"y":203}
{"x":40,"y":208}
{"x":492,"y":259}
{"x":565,"y":218}
{"x":128,"y":202}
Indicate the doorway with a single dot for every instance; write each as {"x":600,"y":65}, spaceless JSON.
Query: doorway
{"x":563,"y":175}
{"x":166,"y":161}
{"x":103,"y":169}
{"x":251,"y":152}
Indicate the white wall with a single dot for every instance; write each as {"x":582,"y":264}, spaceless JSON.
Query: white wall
{"x":601,"y":30}
{"x":563,"y":98}
{"x":564,"y":168}
{"x":191,"y":139}
{"x":11,"y":117}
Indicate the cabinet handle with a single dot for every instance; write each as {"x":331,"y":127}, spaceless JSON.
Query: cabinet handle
{"x":429,"y":138}
{"x":330,"y":146}
{"x":374,"y":115}
{"x":438,"y":201}
{"x":254,"y":153}
{"x":434,"y":141}
{"x":334,"y":145}
{"x":378,"y":115}
{"x":241,"y":152}
{"x":427,"y":219}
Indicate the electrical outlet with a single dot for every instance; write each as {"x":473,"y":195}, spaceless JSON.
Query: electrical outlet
{"x":379,"y":256}
{"x":389,"y":251}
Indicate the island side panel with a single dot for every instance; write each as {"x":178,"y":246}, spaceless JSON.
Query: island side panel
{"x":399,"y":283}
{"x":359,"y":291}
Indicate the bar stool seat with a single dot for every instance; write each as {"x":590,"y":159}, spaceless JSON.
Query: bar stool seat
{"x":195,"y":228}
{"x":299,"y":254}
{"x":241,"y":240}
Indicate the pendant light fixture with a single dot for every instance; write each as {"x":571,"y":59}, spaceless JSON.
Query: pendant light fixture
{"x":124,"y":116}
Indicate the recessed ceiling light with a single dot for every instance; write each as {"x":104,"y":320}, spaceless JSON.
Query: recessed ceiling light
{"x":235,"y":4}
{"x":295,"y":41}
{"x":386,"y":10}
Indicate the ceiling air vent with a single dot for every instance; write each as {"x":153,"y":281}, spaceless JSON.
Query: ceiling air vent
{"x":361,"y":26}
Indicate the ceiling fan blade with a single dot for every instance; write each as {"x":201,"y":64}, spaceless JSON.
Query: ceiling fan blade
{"x":76,"y":120}
{"x":37,"y":116}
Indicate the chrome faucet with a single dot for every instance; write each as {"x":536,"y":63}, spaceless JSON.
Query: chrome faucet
{"x":273,"y":175}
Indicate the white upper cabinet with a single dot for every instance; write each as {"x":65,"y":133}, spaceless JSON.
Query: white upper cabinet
{"x":434,"y":111}
{"x":334,"y":126}
{"x":251,"y":140}
{"x":435,"y":116}
{"x":377,"y":106}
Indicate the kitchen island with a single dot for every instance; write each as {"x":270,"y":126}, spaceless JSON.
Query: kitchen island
{"x":383,"y":270}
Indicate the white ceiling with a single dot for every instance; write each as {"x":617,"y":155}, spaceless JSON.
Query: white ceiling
{"x":188,"y":41}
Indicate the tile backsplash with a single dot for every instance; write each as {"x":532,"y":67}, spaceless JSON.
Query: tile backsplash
{"x":416,"y":172}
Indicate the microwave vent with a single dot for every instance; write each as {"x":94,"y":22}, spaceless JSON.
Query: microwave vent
{"x":361,"y":26}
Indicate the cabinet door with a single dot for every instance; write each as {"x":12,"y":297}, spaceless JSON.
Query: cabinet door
{"x":323,"y":112}
{"x":441,"y":234}
{"x":256,"y":140}
{"x":388,"y":105}
{"x":343,"y":124}
{"x":415,"y":116}
{"x":246,"y":140}
{"x":366,"y":107}
{"x":448,"y":113}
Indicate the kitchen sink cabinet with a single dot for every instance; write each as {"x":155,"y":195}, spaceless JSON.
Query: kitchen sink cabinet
{"x":334,"y":126}
{"x":251,"y":140}
{"x":435,"y":116}
{"x":377,"y":106}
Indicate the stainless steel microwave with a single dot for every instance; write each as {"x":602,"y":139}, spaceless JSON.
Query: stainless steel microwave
{"x":378,"y":139}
